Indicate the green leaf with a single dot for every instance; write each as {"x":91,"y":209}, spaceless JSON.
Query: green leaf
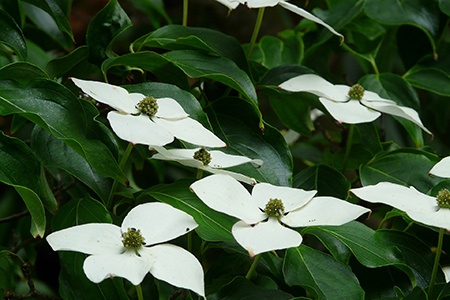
{"x":213,"y":226}
{"x":396,"y":167}
{"x":21,"y":72}
{"x":22,"y":170}
{"x":196,"y":64}
{"x":430,"y":79}
{"x":419,"y":13}
{"x":73,"y":283}
{"x":56,"y":109}
{"x":50,"y":18}
{"x":444,"y":5}
{"x":11,"y":35}
{"x":7,"y":267}
{"x":103,"y":28}
{"x":320,"y":274}
{"x":326,"y":180}
{"x":62,"y":65}
{"x":55,"y":153}
{"x":236,"y":123}
{"x":177,"y":37}
{"x":242,"y":288}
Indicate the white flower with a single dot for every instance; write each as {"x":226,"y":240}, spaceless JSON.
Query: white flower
{"x":136,"y":248}
{"x":446,"y":271}
{"x":156,"y":122}
{"x":420,"y":207}
{"x":266,"y":212}
{"x":232,"y":4}
{"x":363,"y":107}
{"x":442,"y":168}
{"x":211,"y":161}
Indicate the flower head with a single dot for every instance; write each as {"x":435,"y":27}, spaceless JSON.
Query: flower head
{"x":420,"y":207}
{"x":212,"y":161}
{"x":352,"y":105}
{"x":141,"y":119}
{"x":136,"y":248}
{"x":232,"y":4}
{"x":267,"y":213}
{"x":442,"y":168}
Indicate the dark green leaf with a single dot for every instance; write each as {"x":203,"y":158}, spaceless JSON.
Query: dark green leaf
{"x":429,"y":79}
{"x":21,"y":72}
{"x":22,"y":170}
{"x":213,"y":226}
{"x":57,"y":110}
{"x":55,"y":153}
{"x":11,"y":35}
{"x":444,"y":5}
{"x":318,"y":272}
{"x":177,"y":37}
{"x":236,"y":123}
{"x":396,"y":167}
{"x":104,"y":27}
{"x":62,"y":65}
{"x":326,"y":180}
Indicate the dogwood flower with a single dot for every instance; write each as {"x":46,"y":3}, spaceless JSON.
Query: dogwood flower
{"x":232,"y":4}
{"x":212,"y":161}
{"x":352,"y":105}
{"x":145,"y":120}
{"x":267,"y":213}
{"x":442,"y":168}
{"x":425,"y":209}
{"x":136,"y":248}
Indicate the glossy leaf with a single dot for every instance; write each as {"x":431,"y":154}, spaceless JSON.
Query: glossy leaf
{"x":21,"y":72}
{"x":22,"y":170}
{"x":326,"y":180}
{"x":62,"y":65}
{"x":213,"y":226}
{"x":11,"y":35}
{"x":236,"y":123}
{"x":429,"y":79}
{"x":177,"y":37}
{"x":396,"y":167}
{"x":73,"y":283}
{"x":316,"y":272}
{"x":55,"y":153}
{"x":86,"y":136}
{"x":444,"y":5}
{"x":104,"y":28}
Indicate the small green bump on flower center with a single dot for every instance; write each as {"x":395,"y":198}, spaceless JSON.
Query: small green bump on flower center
{"x":148,"y":106}
{"x":274,"y":208}
{"x":356,"y":92}
{"x":443,"y":198}
{"x":133,"y":239}
{"x":203,"y":156}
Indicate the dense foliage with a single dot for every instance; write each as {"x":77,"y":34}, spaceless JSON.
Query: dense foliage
{"x":65,"y":163}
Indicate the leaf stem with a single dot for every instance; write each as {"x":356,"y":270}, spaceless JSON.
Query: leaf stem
{"x":436,"y":261}
{"x":199,"y":173}
{"x":122,"y":163}
{"x":348,"y":146}
{"x":255,"y":31}
{"x":139,"y":292}
{"x":252,"y":269}
{"x":185,"y":12}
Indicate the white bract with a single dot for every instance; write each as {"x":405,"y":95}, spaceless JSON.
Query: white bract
{"x":418,"y":206}
{"x":136,"y":248}
{"x":232,"y":4}
{"x":168,"y":120}
{"x":442,"y":168}
{"x":345,"y":109}
{"x":266,"y":212}
{"x":211,"y":161}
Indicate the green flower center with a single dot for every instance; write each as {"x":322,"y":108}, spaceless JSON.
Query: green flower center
{"x":443,"y":198}
{"x":133,"y":239}
{"x":274,"y":208}
{"x":148,"y":106}
{"x":203,"y":156}
{"x":356,"y":92}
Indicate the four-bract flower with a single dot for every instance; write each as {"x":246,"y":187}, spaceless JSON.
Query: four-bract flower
{"x":212,"y":161}
{"x":352,"y":105}
{"x":442,"y":168}
{"x":136,"y":248}
{"x":425,"y":209}
{"x":232,"y":4}
{"x":267,"y":213}
{"x":145,"y":120}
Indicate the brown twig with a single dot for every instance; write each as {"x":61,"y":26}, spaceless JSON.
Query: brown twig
{"x":14,"y":217}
